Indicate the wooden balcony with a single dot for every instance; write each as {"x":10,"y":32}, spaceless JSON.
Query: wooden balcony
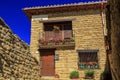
{"x":65,"y":44}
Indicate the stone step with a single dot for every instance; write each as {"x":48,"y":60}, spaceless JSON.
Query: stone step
{"x":53,"y":78}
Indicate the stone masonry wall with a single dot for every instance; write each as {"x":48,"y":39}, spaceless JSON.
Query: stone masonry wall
{"x":16,"y":62}
{"x":89,"y":34}
{"x":113,"y":25}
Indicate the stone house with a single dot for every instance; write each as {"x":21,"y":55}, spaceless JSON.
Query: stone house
{"x":66,"y":38}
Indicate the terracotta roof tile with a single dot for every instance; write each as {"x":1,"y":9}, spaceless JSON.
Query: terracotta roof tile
{"x":63,"y":5}
{"x":29,"y":11}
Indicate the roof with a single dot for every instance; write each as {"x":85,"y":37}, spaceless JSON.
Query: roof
{"x":65,"y":7}
{"x":2,"y":22}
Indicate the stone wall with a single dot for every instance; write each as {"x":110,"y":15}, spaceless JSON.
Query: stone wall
{"x":113,"y":24}
{"x":16,"y":62}
{"x":89,"y":34}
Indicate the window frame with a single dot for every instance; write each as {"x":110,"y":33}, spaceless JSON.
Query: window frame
{"x":88,"y":51}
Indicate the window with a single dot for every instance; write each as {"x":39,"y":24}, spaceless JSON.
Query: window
{"x":88,"y":59}
{"x":65,"y":30}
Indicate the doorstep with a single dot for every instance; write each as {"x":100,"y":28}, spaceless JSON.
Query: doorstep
{"x":48,"y":78}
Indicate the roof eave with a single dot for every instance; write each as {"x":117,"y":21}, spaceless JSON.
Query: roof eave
{"x":50,"y":9}
{"x":64,"y":5}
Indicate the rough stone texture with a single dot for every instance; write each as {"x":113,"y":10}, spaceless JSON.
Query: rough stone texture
{"x":89,"y":34}
{"x":114,"y":33}
{"x":35,"y":37}
{"x":16,"y":61}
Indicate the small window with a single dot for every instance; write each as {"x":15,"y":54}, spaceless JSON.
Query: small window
{"x":88,"y":59}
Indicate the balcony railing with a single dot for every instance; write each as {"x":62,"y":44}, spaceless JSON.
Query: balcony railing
{"x":57,"y":43}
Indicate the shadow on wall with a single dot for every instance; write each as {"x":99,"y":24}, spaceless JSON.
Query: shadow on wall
{"x":106,"y":75}
{"x":1,"y":67}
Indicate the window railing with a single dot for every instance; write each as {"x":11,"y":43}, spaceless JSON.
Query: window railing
{"x":88,"y":59}
{"x":56,"y":43}
{"x":61,"y":39}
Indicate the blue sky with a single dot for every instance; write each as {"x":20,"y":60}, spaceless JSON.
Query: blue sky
{"x":11,"y":12}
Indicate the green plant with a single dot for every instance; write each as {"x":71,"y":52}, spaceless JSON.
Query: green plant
{"x":72,"y":39}
{"x":103,"y":72}
{"x":89,"y":73}
{"x":56,"y":28}
{"x":74,"y":74}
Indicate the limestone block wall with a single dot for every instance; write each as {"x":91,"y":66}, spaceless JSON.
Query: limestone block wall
{"x":67,"y":62}
{"x":89,"y":34}
{"x":16,"y":61}
{"x":36,"y":31}
{"x":113,"y":25}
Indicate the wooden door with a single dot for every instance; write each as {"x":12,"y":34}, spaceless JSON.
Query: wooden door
{"x":48,"y":63}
